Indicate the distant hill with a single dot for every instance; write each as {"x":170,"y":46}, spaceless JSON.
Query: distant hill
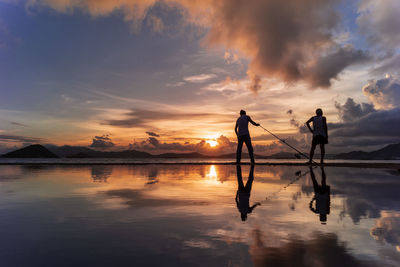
{"x":390,"y":152}
{"x":38,"y":151}
{"x":118,"y":154}
{"x":192,"y":155}
{"x":67,"y":151}
{"x":32,"y":151}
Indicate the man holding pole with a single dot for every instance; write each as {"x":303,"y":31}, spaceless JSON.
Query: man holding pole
{"x":243,"y":134}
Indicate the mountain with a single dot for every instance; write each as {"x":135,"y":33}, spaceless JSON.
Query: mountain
{"x":389,"y":152}
{"x":32,"y":151}
{"x":67,"y":151}
{"x":193,"y":155}
{"x":103,"y":154}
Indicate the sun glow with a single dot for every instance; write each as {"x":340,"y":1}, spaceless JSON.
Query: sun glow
{"x":212,"y":143}
{"x":212,"y":176}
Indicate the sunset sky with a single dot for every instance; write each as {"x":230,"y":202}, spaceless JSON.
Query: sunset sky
{"x":172,"y":75}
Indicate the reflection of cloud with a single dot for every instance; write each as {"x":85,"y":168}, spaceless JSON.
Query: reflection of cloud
{"x":133,"y":198}
{"x":387,"y":228}
{"x":320,"y":250}
{"x":101,"y":173}
{"x":360,"y":208}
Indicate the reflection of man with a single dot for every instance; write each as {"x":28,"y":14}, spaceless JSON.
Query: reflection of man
{"x":243,"y":193}
{"x":322,"y":197}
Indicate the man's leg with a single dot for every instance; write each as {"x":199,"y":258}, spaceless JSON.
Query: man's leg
{"x":239,"y":149}
{"x":239,"y":177}
{"x":247,"y":140}
{"x":322,"y":147}
{"x":312,"y":152}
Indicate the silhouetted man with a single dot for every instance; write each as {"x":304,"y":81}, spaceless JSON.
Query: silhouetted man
{"x":320,"y":134}
{"x":322,"y":196}
{"x":243,"y":193}
{"x":243,"y":135}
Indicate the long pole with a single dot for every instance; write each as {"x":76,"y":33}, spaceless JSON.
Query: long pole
{"x":289,"y":145}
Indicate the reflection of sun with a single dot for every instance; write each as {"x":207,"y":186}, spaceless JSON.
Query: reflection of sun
{"x":212,"y":143}
{"x":213,"y":172}
{"x":212,"y":176}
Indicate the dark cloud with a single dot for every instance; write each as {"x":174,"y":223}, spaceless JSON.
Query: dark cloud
{"x":381,"y":123}
{"x":255,"y":82}
{"x":103,"y":141}
{"x":351,"y":111}
{"x":141,"y":117}
{"x":329,"y":66}
{"x":153,"y":134}
{"x":296,"y":123}
{"x":289,"y":39}
{"x":18,"y":124}
{"x":17,"y":138}
{"x":384,"y":93}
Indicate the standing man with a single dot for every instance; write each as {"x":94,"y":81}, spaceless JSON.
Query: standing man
{"x":243,"y":134}
{"x":320,"y":134}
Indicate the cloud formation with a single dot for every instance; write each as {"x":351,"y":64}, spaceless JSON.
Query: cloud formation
{"x":362,"y":125}
{"x":379,"y":21}
{"x":153,"y":134}
{"x":351,"y":111}
{"x":199,"y":78}
{"x":152,"y":144}
{"x":103,"y":141}
{"x":17,"y":138}
{"x":384,"y":93}
{"x":292,"y":40}
{"x":142,"y":117}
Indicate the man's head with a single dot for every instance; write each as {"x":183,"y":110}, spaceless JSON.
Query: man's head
{"x":242,"y":112}
{"x":243,"y":216}
{"x":318,"y":112}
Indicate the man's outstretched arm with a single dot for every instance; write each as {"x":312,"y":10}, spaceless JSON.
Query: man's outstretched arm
{"x":252,"y":122}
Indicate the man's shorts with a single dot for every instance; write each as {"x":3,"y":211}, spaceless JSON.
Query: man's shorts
{"x":319,"y":139}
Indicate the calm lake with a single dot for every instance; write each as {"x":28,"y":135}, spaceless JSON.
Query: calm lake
{"x":198,"y":215}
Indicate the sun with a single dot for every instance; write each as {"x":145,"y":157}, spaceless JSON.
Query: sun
{"x":212,"y":143}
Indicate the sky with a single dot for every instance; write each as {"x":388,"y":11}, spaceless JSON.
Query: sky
{"x":172,"y":75}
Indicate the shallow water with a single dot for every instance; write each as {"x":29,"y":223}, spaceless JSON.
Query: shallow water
{"x":187,"y":215}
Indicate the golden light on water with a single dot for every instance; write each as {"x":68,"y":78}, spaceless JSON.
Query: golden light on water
{"x":212,"y":175}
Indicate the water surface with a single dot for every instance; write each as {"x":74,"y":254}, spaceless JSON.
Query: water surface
{"x":198,"y":215}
